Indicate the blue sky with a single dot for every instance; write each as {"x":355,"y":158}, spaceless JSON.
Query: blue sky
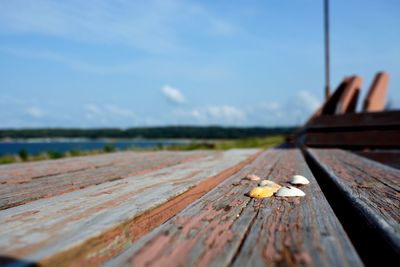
{"x":142,"y":63}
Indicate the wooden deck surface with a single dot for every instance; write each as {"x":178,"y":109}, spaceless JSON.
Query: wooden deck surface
{"x":388,"y":157}
{"x":191,"y":209}
{"x":24,"y":182}
{"x":227,"y":228}
{"x":75,"y":225}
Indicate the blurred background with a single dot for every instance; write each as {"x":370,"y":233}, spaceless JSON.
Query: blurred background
{"x":123,"y":64}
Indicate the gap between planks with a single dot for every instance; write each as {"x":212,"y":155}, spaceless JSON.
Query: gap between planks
{"x":364,"y":195}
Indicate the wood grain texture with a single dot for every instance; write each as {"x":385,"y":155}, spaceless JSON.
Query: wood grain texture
{"x":386,"y":157}
{"x":225,"y":227}
{"x":349,"y":98}
{"x":30,"y":170}
{"x":384,"y":119}
{"x":354,"y":139}
{"x":21,"y":183}
{"x":372,"y":189}
{"x":376,"y":96}
{"x":330,"y":105}
{"x":299,"y":231}
{"x":88,"y":226}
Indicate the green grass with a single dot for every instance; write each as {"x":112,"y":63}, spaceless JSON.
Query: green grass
{"x":257,"y":142}
{"x":254,"y":142}
{"x":7,"y":159}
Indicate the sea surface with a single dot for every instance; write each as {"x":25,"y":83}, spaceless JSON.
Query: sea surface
{"x":34,"y":147}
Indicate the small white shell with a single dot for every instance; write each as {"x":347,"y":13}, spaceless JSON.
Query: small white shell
{"x":253,"y":177}
{"x":289,"y":191}
{"x":299,"y":180}
{"x":269,"y":183}
{"x":265,"y":183}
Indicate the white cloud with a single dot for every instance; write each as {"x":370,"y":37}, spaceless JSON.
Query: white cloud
{"x":196,"y":114}
{"x":35,"y":112}
{"x":173,"y":94}
{"x":228,"y":113}
{"x":118,"y":111}
{"x":309,"y":100}
{"x":223,"y":115}
{"x":274,"y":105}
{"x":93,"y":109}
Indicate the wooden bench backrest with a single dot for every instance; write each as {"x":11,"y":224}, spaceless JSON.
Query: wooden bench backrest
{"x":348,"y":100}
{"x":336,"y":123}
{"x":344,"y":99}
{"x":375,"y":99}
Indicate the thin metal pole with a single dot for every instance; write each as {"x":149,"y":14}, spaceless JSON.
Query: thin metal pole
{"x":327,"y":63}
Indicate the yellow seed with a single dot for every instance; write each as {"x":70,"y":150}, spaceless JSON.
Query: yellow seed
{"x":262,"y":192}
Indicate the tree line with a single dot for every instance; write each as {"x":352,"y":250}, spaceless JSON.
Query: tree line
{"x":173,"y":132}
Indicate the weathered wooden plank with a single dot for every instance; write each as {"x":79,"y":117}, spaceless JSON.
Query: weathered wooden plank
{"x":386,"y":157}
{"x":20,"y":186}
{"x":331,"y":104}
{"x":354,"y":139}
{"x":176,"y":242}
{"x":88,"y":226}
{"x":344,"y":99}
{"x":384,"y":119}
{"x":25,"y":172}
{"x":349,"y":98}
{"x":29,"y":170}
{"x":299,"y":231}
{"x":376,"y":96}
{"x":370,"y":190}
{"x":225,"y":227}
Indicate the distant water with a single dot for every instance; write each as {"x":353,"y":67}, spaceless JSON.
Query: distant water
{"x":39,"y":146}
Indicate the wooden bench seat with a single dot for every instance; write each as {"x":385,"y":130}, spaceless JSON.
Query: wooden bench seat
{"x":386,"y":157}
{"x":24,"y":182}
{"x":225,"y":227}
{"x":357,"y":131}
{"x":90,"y":225}
{"x":369,"y":193}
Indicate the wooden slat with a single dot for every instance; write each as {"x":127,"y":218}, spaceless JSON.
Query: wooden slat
{"x":88,"y":226}
{"x":344,"y":99}
{"x":226,"y":228}
{"x":376,"y":97}
{"x":348,"y":100}
{"x":354,"y":139}
{"x":25,"y":172}
{"x":19,"y":185}
{"x":388,"y":157}
{"x":358,"y":120}
{"x":370,"y":189}
{"x":330,"y":105}
{"x":29,"y":170}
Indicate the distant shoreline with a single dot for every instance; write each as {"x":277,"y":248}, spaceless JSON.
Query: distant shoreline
{"x":85,"y":139}
{"x":34,"y":151}
{"x":36,"y":146}
{"x":143,"y":133}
